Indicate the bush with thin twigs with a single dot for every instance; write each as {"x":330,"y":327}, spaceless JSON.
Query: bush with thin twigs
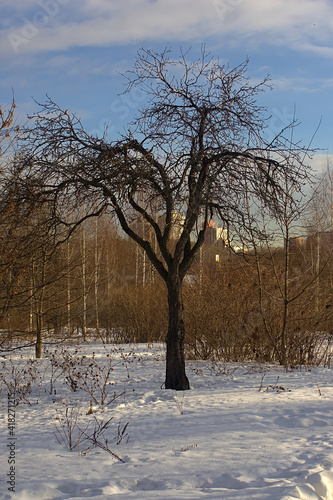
{"x":179,"y":400}
{"x":87,"y":437}
{"x":272,"y":387}
{"x":84,"y":373}
{"x":90,"y":374}
{"x":67,"y":431}
{"x":21,"y":377}
{"x":56,"y":369}
{"x":97,"y":439}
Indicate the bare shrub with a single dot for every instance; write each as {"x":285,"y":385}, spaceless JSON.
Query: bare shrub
{"x":179,"y":400}
{"x":83,"y":372}
{"x":67,"y":431}
{"x":85,"y":438}
{"x":140,"y":312}
{"x":20,"y":377}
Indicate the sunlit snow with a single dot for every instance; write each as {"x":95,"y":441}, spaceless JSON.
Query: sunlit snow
{"x":243,"y":431}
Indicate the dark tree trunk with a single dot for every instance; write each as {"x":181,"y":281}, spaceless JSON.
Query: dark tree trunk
{"x":175,"y":356}
{"x":38,"y":345}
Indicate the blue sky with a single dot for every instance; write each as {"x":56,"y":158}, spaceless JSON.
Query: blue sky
{"x":75,"y":50}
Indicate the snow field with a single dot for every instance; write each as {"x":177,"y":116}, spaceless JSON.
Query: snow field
{"x":223,"y":439}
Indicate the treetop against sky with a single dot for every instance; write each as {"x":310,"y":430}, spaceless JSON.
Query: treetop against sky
{"x":75,"y":51}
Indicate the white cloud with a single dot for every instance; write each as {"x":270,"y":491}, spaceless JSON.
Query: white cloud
{"x":61,"y":61}
{"x":300,"y":84}
{"x":301,"y":24}
{"x":320,"y":161}
{"x":296,"y":84}
{"x":315,"y":49}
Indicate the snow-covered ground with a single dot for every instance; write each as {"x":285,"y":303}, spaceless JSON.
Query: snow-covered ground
{"x":243,"y":431}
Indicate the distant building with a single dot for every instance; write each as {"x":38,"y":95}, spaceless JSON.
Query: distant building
{"x":210,"y":233}
{"x":326,"y":238}
{"x":222,"y":236}
{"x":297,"y":242}
{"x":323,"y":239}
{"x":239,"y":249}
{"x":216,"y":235}
{"x":177,"y":224}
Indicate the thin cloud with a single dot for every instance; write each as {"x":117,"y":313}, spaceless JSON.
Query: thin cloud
{"x":302,"y":24}
{"x":300,"y":84}
{"x":61,"y":61}
{"x":322,"y":51}
{"x":320,"y":161}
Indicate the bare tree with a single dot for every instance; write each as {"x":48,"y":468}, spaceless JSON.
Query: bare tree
{"x":8,"y":134}
{"x":197,"y":143}
{"x":8,"y":130}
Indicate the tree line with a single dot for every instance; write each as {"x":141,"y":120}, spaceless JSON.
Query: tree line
{"x":96,"y":285}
